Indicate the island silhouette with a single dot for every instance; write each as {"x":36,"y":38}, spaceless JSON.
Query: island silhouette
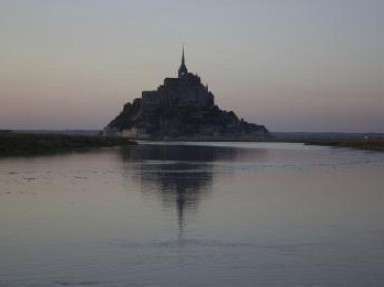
{"x":181,"y":107}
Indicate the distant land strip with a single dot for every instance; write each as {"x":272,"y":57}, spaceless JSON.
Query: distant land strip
{"x":13,"y":144}
{"x":374,"y":144}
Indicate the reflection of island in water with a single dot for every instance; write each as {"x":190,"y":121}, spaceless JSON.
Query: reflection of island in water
{"x":181,"y":175}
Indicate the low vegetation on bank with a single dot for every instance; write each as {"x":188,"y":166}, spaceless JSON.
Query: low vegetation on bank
{"x":361,"y":141}
{"x":30,"y":144}
{"x":376,"y":144}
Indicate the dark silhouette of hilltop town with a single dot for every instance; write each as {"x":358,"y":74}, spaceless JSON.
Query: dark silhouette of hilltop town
{"x":180,"y":108}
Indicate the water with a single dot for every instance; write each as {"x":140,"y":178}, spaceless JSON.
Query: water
{"x":216,"y":214}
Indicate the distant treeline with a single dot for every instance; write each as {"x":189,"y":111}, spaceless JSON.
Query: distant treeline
{"x":29,"y":144}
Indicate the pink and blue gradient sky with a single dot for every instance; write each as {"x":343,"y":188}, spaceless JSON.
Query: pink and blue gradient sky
{"x":293,"y":65}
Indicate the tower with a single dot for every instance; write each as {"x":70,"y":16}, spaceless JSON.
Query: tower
{"x":183,"y":68}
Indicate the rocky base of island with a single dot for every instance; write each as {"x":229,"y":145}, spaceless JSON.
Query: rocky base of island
{"x":183,"y":123}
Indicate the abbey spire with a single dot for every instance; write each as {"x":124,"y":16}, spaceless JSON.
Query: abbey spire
{"x":183,"y":68}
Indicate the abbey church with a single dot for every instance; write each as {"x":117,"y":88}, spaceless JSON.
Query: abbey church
{"x":181,"y":107}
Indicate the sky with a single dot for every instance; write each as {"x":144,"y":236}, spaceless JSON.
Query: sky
{"x":292,"y":65}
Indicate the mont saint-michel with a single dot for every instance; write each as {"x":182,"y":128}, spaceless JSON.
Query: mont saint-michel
{"x":181,"y":107}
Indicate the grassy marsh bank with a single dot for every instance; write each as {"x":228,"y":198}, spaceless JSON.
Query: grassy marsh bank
{"x":12,"y":144}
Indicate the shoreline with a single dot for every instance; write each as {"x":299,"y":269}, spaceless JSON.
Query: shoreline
{"x":372,"y":144}
{"x":29,"y":144}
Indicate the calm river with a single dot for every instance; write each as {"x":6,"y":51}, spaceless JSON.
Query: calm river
{"x":203,"y":214}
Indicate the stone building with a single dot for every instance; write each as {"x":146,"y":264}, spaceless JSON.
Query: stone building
{"x":185,"y":90}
